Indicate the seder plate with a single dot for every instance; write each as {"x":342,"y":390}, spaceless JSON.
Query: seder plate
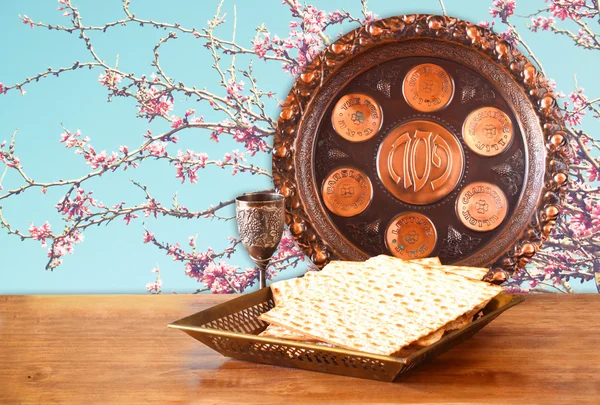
{"x":421,"y":136}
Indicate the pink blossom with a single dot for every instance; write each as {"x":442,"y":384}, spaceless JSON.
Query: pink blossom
{"x":41,"y":233}
{"x":124,"y":149}
{"x":157,"y":148}
{"x":542,"y":23}
{"x":128,"y":217}
{"x":192,"y":241}
{"x":503,"y":9}
{"x":154,"y":103}
{"x":584,"y":38}
{"x":110,"y":79}
{"x":63,"y":246}
{"x":154,"y":286}
{"x":486,"y":24}
{"x":78,"y":206}
{"x":188,"y":164}
{"x":67,"y":13}
{"x":2,"y":89}
{"x":176,"y":122}
{"x":148,"y":237}
{"x":27,"y":20}
{"x":190,"y":112}
{"x":564,"y":9}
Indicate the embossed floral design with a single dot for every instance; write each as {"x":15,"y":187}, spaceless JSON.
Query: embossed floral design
{"x":482,"y":207}
{"x":412,"y":237}
{"x":347,"y":191}
{"x":358,"y":118}
{"x":490,"y":131}
{"x":428,"y":86}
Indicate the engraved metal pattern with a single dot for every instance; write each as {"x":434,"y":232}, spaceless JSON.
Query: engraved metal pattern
{"x":457,"y":244}
{"x":367,"y":235}
{"x":411,"y":236}
{"x":472,"y":88}
{"x":481,"y":206}
{"x":488,"y":131}
{"x":260,"y":226}
{"x":510,"y":172}
{"x":529,"y":93}
{"x":420,"y":162}
{"x":428,"y":87}
{"x":357,"y":117}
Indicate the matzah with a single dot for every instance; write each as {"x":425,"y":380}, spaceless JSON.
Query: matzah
{"x":380,"y":311}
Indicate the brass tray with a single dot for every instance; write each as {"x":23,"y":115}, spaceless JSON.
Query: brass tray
{"x":361,"y":175}
{"x":231,"y":329}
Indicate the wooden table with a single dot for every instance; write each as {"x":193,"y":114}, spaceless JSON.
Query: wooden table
{"x":117,"y":350}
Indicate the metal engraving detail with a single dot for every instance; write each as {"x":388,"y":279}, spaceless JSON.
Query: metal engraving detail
{"x":511,"y":172}
{"x":420,"y":162}
{"x":356,"y":117}
{"x":457,"y":244}
{"x":472,"y":88}
{"x":411,"y":236}
{"x":488,"y":131}
{"x":347,"y":192}
{"x":367,"y":235}
{"x":260,"y":226}
{"x":428,"y":87}
{"x":481,"y":206}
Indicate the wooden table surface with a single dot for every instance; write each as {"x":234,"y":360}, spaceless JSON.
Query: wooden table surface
{"x":118,"y":350}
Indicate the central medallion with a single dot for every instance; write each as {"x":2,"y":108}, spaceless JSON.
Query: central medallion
{"x":420,"y":162}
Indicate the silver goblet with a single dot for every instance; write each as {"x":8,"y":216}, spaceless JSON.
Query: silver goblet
{"x":260,"y":218}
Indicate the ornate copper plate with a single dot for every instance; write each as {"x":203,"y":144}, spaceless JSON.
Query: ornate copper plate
{"x":458,"y":106}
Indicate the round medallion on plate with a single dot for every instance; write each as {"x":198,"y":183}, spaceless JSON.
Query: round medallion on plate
{"x":411,"y":236}
{"x":481,"y":206}
{"x":356,"y":117}
{"x":428,"y":87}
{"x":347,"y":192}
{"x":420,"y":162}
{"x":488,"y":131}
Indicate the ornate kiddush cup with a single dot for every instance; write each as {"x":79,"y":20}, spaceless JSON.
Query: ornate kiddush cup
{"x":260,"y":218}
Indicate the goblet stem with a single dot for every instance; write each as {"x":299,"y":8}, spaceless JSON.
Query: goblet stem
{"x":262,"y":271}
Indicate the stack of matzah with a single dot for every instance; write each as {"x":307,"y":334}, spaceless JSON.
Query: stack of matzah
{"x":378,"y":306}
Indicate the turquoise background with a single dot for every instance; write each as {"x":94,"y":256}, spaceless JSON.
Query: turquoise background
{"x":113,"y":258}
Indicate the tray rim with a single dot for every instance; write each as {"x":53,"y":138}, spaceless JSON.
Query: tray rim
{"x":514,"y":299}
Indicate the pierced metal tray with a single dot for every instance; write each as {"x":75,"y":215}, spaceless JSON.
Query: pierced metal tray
{"x":231,"y":329}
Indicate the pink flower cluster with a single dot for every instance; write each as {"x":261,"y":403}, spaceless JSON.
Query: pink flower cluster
{"x":188,"y":164}
{"x":564,"y":9}
{"x":110,"y":79}
{"x":154,"y":103}
{"x":42,"y":233}
{"x":574,"y":115}
{"x":78,"y":206}
{"x":542,"y":23}
{"x":503,"y":9}
{"x":63,"y":246}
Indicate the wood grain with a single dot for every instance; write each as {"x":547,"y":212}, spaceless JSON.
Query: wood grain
{"x":118,"y":350}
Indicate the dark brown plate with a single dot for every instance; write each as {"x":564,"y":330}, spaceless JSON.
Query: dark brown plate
{"x":231,"y":329}
{"x":460,"y":107}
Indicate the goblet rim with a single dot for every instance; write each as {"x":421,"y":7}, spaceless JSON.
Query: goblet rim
{"x":260,"y":197}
